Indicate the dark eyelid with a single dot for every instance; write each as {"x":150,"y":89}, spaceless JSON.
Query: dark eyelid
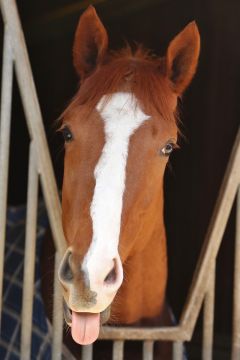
{"x":172,"y":141}
{"x":63,"y":126}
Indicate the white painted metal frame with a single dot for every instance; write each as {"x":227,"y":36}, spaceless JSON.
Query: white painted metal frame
{"x":15,"y":53}
{"x":203,"y":284}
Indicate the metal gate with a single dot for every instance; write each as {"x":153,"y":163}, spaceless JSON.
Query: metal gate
{"x":202,"y":289}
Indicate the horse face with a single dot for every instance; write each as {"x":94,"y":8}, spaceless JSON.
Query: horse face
{"x":116,"y":152}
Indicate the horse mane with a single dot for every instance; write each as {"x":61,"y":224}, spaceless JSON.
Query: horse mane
{"x":134,"y":70}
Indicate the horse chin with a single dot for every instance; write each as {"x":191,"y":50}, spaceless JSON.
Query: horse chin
{"x":67,"y":312}
{"x":105,"y":315}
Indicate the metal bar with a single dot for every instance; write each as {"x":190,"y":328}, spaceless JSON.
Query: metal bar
{"x":118,"y":347}
{"x":208,"y":316}
{"x":236,"y":291}
{"x":29,"y":256}
{"x":137,"y":333}
{"x":57,"y":313}
{"x":177,"y":350}
{"x":5,"y":116}
{"x":148,"y":348}
{"x":213,"y":239}
{"x":87,"y":352}
{"x":34,"y":120}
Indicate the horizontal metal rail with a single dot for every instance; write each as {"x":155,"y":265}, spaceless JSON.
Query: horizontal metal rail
{"x":138,"y":333}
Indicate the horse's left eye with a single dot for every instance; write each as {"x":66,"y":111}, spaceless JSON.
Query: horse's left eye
{"x":67,"y":135}
{"x":168,"y":148}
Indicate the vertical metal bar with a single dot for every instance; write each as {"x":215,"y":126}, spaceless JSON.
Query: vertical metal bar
{"x":57,"y":313}
{"x":208,"y":316}
{"x":29,"y":256}
{"x":5,"y":121}
{"x":87,"y":352}
{"x":236,"y":291}
{"x":213,"y":238}
{"x":178,"y":350}
{"x":118,"y":350}
{"x":148,"y":350}
{"x":34,"y":120}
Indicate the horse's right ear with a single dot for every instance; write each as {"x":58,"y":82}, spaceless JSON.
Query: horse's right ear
{"x":90,"y":43}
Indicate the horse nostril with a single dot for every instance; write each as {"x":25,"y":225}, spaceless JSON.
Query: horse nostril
{"x":114,"y":278}
{"x":111,"y":277}
{"x":66,"y":273}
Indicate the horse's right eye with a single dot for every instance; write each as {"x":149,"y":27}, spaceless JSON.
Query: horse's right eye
{"x":67,"y":134}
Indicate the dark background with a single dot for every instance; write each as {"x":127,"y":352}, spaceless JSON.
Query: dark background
{"x":210,"y":112}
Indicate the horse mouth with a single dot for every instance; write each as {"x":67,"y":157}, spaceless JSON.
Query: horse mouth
{"x":67,"y":312}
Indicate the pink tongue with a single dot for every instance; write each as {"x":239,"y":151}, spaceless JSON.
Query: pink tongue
{"x":85,"y":327}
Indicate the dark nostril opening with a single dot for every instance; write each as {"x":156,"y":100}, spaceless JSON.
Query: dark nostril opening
{"x":111,"y":276}
{"x":65,"y":271}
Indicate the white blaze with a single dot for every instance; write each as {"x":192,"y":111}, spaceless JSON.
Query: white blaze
{"x":121,"y":116}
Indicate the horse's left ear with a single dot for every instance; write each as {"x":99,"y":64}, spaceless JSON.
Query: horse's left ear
{"x":182,"y":57}
{"x":90,"y":43}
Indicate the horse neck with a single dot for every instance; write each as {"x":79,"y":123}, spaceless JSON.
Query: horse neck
{"x":145,"y":272}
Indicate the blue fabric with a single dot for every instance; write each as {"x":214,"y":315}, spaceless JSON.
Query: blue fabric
{"x":12,"y":290}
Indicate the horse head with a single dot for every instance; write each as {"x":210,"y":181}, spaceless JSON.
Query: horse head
{"x":119,"y":131}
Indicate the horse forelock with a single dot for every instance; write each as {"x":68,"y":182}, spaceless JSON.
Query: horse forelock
{"x":136,"y":71}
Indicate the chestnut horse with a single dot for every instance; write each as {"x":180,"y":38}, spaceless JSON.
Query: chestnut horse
{"x":119,"y":131}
